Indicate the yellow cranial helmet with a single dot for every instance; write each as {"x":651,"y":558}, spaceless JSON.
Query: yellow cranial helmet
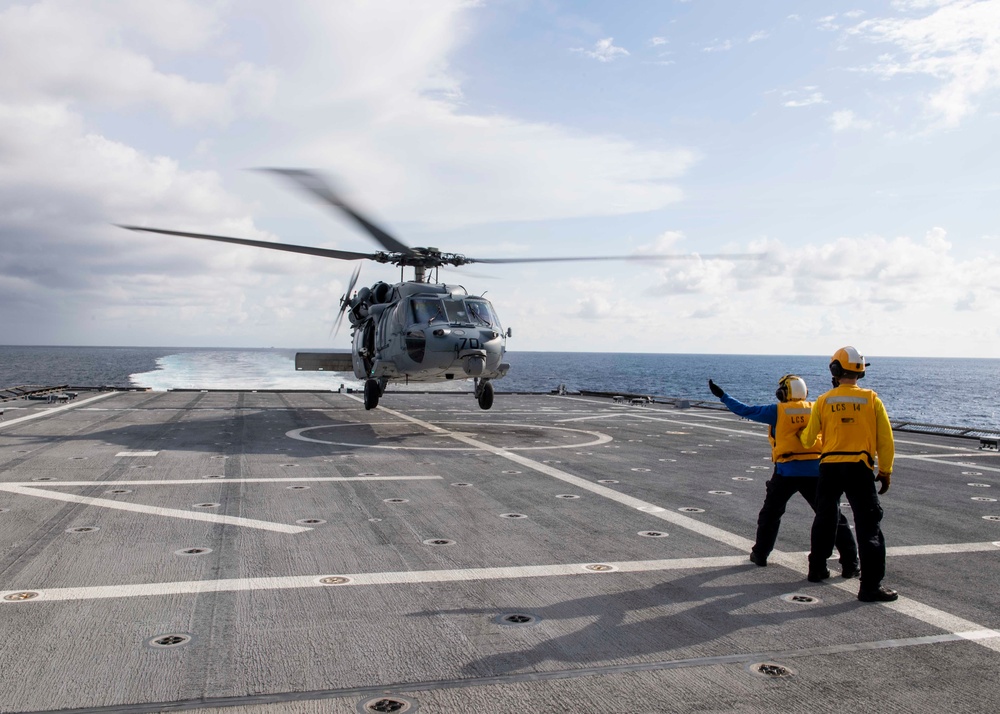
{"x":847,"y":361}
{"x":791,"y":388}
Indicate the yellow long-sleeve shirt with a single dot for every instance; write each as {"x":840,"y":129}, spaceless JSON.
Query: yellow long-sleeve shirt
{"x":855,"y":427}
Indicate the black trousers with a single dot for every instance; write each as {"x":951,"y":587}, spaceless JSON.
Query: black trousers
{"x":856,"y":481}
{"x":779,"y":490}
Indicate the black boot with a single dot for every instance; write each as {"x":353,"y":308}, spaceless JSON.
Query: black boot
{"x":879,"y":594}
{"x":816,"y":576}
{"x":851,"y":570}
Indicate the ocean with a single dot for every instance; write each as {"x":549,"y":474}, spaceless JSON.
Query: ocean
{"x":946,"y":391}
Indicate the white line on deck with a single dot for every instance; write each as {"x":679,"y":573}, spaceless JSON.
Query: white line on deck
{"x":942,"y":459}
{"x":217,"y":481}
{"x":598,"y":437}
{"x":153,"y":510}
{"x":677,"y":519}
{"x":411,"y":577}
{"x":924,"y":613}
{"x":55,"y":410}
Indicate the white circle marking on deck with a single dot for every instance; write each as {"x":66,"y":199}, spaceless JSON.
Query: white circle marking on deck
{"x":598,"y":437}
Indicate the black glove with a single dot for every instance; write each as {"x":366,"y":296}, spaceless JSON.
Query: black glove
{"x":883,"y":478}
{"x":716,"y":389}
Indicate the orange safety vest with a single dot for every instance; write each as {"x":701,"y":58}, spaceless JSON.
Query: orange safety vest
{"x":785,"y":444}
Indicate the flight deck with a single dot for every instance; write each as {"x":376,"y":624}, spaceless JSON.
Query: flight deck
{"x":242,"y":551}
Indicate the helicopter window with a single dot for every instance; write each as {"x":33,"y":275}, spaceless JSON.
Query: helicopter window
{"x":427,"y":310}
{"x":456,"y":311}
{"x":481,"y":313}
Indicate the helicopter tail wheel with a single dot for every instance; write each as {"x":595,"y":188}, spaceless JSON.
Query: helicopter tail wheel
{"x":373,"y":390}
{"x":484,"y":393}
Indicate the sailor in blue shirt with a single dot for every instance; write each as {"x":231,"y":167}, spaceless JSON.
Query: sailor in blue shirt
{"x":796,"y":468}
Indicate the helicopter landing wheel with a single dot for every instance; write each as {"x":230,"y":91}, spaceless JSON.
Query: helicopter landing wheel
{"x":484,"y":393}
{"x":373,"y":390}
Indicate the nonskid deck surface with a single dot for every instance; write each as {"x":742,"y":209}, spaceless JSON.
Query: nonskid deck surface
{"x":293,"y":552}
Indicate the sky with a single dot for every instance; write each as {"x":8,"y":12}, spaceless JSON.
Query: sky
{"x":855,"y":144}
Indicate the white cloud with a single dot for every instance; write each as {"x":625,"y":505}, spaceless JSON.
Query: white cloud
{"x":386,"y":116}
{"x":760,"y":35}
{"x":94,"y":53}
{"x":657,"y":41}
{"x":845,"y":119}
{"x":894,"y":295}
{"x":806,"y":98}
{"x":957,"y":44}
{"x":718,"y":46}
{"x":606,"y":51}
{"x":828,"y":23}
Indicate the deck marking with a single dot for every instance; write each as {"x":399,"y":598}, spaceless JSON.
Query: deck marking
{"x":154,"y":510}
{"x":941,"y":549}
{"x":925,"y":613}
{"x":677,"y":519}
{"x":217,"y":481}
{"x":407,"y":577}
{"x":967,"y":449}
{"x":55,"y":410}
{"x":598,"y":438}
{"x":942,"y":459}
{"x":416,"y":577}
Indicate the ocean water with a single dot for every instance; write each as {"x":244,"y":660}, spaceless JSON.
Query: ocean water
{"x":948,"y":391}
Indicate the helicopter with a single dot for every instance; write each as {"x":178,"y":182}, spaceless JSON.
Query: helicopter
{"x":418,"y":330}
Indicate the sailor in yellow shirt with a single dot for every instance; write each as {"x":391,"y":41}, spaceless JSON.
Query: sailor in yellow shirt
{"x":856,"y":432}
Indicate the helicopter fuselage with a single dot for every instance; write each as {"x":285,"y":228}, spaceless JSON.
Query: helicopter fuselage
{"x":421,"y":332}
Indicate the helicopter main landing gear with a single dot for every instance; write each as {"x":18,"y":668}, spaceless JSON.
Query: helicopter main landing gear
{"x":373,"y":390}
{"x":484,"y":393}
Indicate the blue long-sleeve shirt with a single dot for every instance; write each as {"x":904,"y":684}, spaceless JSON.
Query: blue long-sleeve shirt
{"x":768,"y":414}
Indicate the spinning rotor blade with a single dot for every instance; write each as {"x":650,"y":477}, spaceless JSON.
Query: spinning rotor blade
{"x":318,"y":187}
{"x":345,"y":302}
{"x":667,"y":256}
{"x":306,"y":250}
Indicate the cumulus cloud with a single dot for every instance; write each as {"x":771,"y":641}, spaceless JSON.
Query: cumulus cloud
{"x":388,"y":116}
{"x":806,"y":97}
{"x":957,"y":44}
{"x":95,"y":54}
{"x":867,"y":288}
{"x":718,"y":46}
{"x":605,"y":50}
{"x":845,"y":120}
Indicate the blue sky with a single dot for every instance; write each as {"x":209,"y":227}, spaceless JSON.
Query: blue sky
{"x":855,"y":143}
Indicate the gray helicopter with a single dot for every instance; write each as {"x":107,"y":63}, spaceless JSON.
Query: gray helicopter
{"x":416,"y":330}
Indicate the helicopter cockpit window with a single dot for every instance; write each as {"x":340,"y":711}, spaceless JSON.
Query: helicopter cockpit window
{"x":457,"y":312}
{"x":427,"y":310}
{"x":481,"y":313}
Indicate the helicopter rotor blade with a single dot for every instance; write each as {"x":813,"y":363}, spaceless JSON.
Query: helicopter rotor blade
{"x":345,"y":302}
{"x":667,"y":256}
{"x":316,"y":185}
{"x":303,"y":249}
